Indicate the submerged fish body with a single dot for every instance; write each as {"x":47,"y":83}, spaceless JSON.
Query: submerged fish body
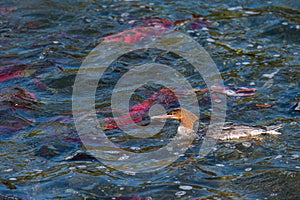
{"x":154,"y":26}
{"x":136,"y":34}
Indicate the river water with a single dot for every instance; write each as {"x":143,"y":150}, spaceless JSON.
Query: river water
{"x":254,"y":44}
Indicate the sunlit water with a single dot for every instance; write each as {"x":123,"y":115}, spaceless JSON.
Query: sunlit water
{"x":253,"y":43}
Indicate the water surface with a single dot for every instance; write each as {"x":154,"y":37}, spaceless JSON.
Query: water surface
{"x":43,"y":43}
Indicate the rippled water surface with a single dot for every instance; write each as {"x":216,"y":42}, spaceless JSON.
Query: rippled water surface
{"x":43,"y":43}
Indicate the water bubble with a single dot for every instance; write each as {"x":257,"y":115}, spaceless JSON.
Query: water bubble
{"x":210,"y":40}
{"x":248,"y":169}
{"x":235,"y":8}
{"x":129,"y":173}
{"x":246,"y":63}
{"x":100,"y":167}
{"x":185,"y":187}
{"x":180,"y":193}
{"x":135,"y":148}
{"x":246,"y":144}
{"x":8,"y":170}
{"x":124,"y":157}
{"x":252,"y":12}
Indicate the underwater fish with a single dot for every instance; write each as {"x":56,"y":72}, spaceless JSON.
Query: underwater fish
{"x":166,"y":96}
{"x":155,"y":26}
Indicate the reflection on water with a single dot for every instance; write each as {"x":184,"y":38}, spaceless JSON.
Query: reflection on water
{"x":254,"y":44}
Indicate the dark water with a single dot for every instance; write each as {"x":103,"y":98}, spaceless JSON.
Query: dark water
{"x":43,"y":43}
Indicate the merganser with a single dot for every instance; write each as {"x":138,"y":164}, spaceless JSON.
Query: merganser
{"x":230,"y":131}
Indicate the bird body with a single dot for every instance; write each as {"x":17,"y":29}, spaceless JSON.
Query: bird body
{"x":229,"y":131}
{"x":232,"y":131}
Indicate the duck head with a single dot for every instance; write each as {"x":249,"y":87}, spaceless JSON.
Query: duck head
{"x":186,"y":117}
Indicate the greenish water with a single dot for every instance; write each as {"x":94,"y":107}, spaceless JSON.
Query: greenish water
{"x":253,"y":43}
